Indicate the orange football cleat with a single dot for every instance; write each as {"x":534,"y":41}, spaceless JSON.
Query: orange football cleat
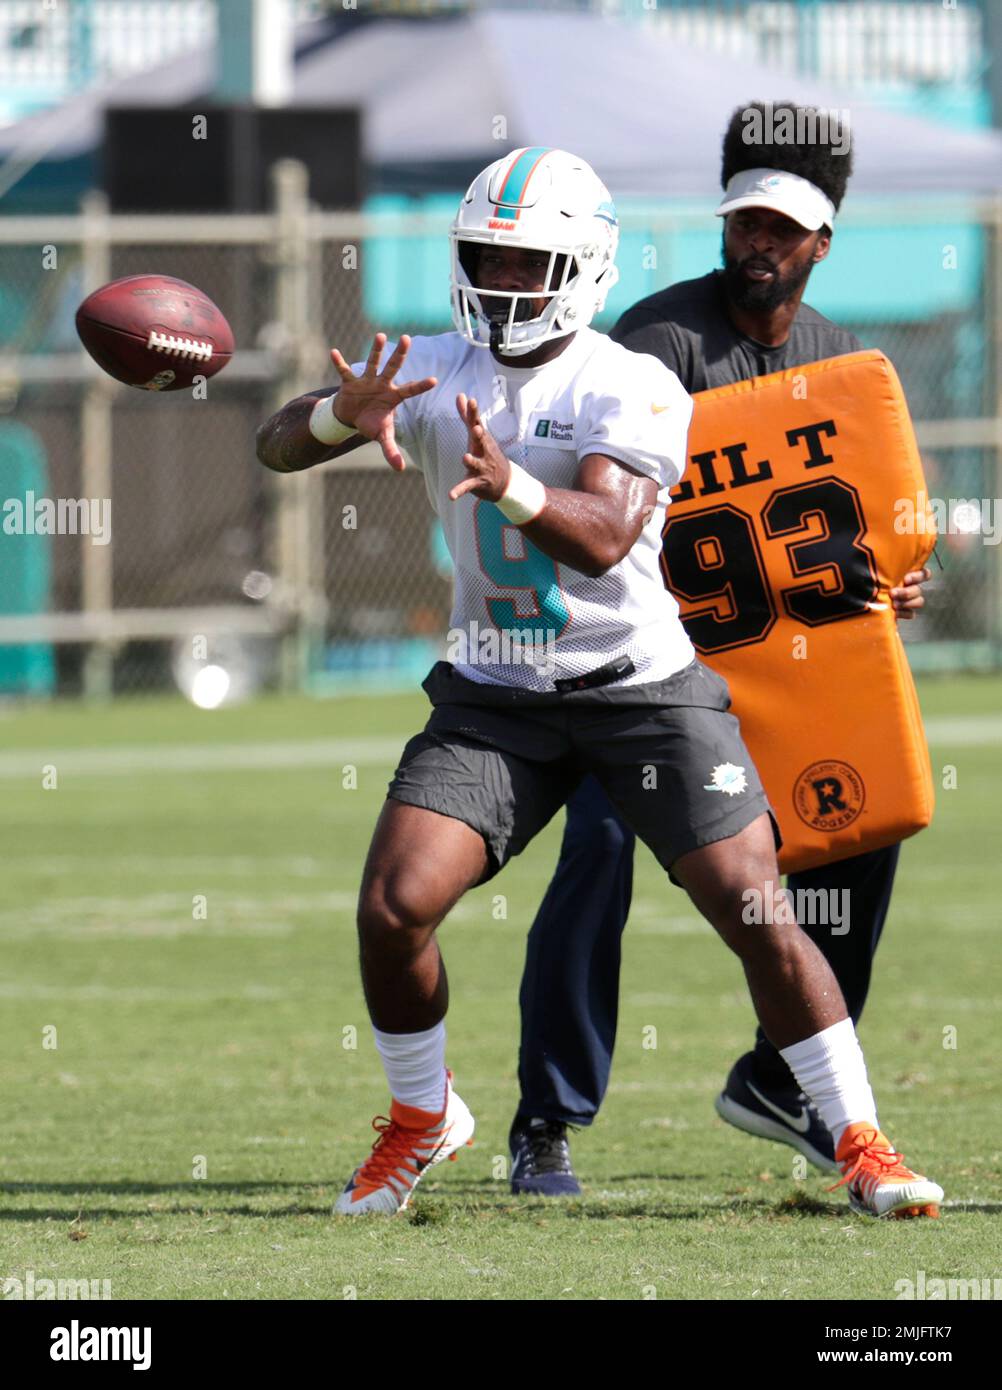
{"x":879,"y":1183}
{"x":410,"y":1142}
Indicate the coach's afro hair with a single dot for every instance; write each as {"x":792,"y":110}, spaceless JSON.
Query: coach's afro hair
{"x":820,"y":163}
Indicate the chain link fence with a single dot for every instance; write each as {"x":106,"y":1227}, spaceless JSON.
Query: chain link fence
{"x":337,"y":576}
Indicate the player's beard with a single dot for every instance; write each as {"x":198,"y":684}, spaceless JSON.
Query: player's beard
{"x":761,"y":296}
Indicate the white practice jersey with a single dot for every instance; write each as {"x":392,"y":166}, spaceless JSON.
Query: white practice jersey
{"x":520,"y":618}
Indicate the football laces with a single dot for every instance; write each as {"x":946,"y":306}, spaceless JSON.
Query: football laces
{"x":178,"y":346}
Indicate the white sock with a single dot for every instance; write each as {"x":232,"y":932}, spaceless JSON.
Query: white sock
{"x":415,"y":1066}
{"x":831,"y":1069}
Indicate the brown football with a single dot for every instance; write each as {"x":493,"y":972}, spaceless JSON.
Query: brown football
{"x":154,"y":332}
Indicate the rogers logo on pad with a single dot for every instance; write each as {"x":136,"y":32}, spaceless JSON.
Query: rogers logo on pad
{"x":829,"y":795}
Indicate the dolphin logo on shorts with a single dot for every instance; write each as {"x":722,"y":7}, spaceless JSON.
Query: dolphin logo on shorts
{"x":727,"y":778}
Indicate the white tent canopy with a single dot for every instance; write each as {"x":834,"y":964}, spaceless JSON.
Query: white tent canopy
{"x":456,"y":92}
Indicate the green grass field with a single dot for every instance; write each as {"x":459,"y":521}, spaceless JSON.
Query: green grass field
{"x":218,"y":1039}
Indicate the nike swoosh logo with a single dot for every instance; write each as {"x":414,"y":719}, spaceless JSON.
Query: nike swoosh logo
{"x":657,"y":409}
{"x":422,"y":1163}
{"x":801,"y":1123}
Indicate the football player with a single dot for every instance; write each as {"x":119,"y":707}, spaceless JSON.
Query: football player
{"x":547,"y":451}
{"x":746,"y":320}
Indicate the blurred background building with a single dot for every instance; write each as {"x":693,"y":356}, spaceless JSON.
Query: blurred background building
{"x":340,"y":137}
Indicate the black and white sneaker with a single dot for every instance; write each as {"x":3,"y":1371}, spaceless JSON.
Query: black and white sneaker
{"x":541,"y":1159}
{"x":786,"y":1116}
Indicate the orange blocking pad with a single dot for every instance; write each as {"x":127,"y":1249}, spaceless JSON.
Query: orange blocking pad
{"x":802,"y":506}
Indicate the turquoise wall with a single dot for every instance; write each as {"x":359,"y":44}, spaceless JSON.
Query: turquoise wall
{"x":880,"y":273}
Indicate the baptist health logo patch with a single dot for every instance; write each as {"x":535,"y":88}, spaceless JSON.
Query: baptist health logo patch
{"x":727,"y":778}
{"x":554,"y":430}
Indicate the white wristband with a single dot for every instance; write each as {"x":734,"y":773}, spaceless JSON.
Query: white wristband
{"x":326,"y":427}
{"x":523,"y":498}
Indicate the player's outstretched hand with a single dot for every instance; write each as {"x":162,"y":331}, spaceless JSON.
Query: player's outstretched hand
{"x":368,"y":401}
{"x":487,"y":468}
{"x":908,"y":598}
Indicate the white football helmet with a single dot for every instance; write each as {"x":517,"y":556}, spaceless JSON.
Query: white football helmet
{"x":536,"y":199}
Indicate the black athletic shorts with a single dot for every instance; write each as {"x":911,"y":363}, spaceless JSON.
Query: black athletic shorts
{"x":503,"y":761}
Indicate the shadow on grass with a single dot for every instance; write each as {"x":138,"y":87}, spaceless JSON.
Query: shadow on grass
{"x":194,"y":1198}
{"x":656,"y":1177}
{"x":435,"y":1203}
{"x":803,"y":1204}
{"x":143,"y":1189}
{"x":435,"y":1206}
{"x":431,"y":1211}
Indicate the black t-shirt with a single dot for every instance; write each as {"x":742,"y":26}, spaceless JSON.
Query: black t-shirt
{"x":687,"y":327}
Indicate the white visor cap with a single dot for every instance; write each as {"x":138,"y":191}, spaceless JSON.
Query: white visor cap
{"x":789,"y":194}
